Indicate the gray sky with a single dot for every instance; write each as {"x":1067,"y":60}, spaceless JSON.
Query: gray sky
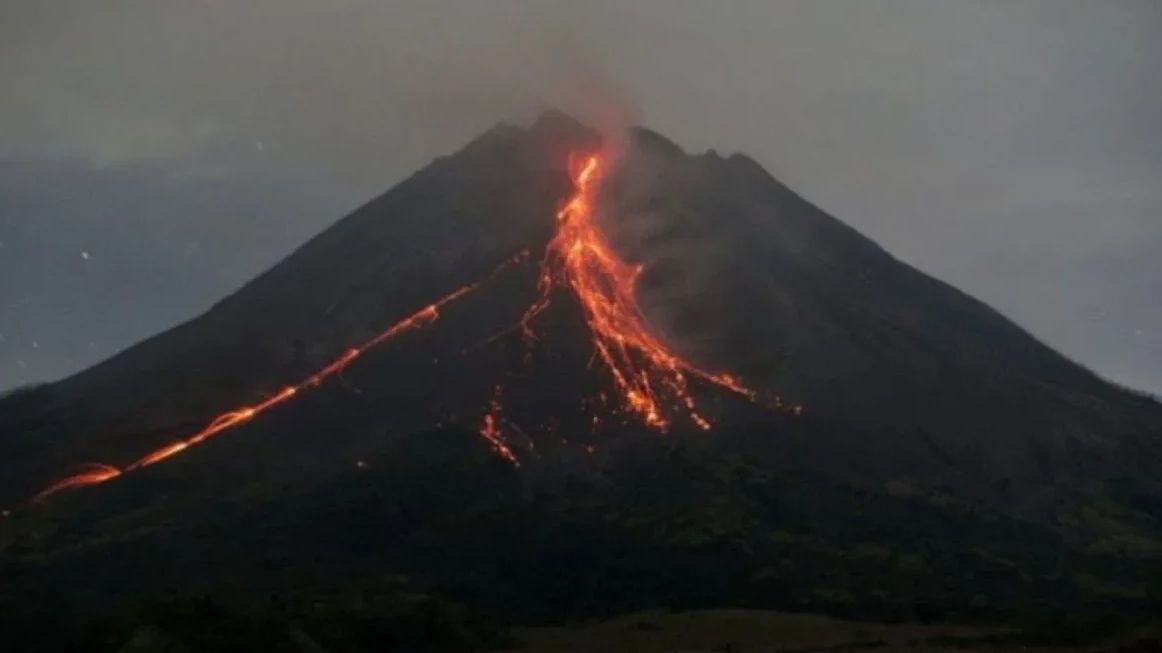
{"x":154,"y":154}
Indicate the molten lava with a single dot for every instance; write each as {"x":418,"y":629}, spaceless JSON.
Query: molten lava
{"x":96,"y":473}
{"x":99,"y":472}
{"x":651,"y":381}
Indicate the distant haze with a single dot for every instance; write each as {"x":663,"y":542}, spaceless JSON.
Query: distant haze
{"x":155,"y":154}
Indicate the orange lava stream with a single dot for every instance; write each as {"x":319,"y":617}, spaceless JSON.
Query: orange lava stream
{"x":99,"y":473}
{"x":651,"y":380}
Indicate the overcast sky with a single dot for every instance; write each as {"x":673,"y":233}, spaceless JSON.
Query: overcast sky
{"x":154,"y":154}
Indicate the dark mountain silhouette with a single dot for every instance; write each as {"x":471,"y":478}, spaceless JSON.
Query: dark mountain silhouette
{"x":946,"y":461}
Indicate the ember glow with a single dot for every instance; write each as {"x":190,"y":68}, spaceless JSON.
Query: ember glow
{"x":490,"y":429}
{"x":650,"y":381}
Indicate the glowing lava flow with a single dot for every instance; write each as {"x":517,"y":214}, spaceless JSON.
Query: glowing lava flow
{"x":651,"y":379}
{"x":98,"y":473}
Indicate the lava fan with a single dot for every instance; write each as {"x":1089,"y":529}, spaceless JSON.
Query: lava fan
{"x":647,"y":374}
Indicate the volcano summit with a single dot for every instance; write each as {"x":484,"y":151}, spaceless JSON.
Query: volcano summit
{"x":496,"y":379}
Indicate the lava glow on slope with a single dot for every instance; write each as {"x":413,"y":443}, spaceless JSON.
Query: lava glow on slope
{"x":650,"y":380}
{"x":97,"y":473}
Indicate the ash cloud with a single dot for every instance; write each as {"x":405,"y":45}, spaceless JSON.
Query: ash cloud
{"x":361,"y":91}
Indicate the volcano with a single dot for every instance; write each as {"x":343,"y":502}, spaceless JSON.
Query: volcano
{"x":544,"y":373}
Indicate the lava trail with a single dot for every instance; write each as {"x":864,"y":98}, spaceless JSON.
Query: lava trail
{"x":98,"y":473}
{"x":490,"y":429}
{"x":652,"y":381}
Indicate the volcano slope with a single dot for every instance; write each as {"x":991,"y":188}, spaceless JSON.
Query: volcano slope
{"x":885,"y":447}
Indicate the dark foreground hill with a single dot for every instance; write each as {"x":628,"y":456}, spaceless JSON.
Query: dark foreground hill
{"x":946,"y":465}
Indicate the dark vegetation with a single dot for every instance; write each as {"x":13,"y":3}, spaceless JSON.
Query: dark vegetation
{"x":681,"y":524}
{"x":351,"y":620}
